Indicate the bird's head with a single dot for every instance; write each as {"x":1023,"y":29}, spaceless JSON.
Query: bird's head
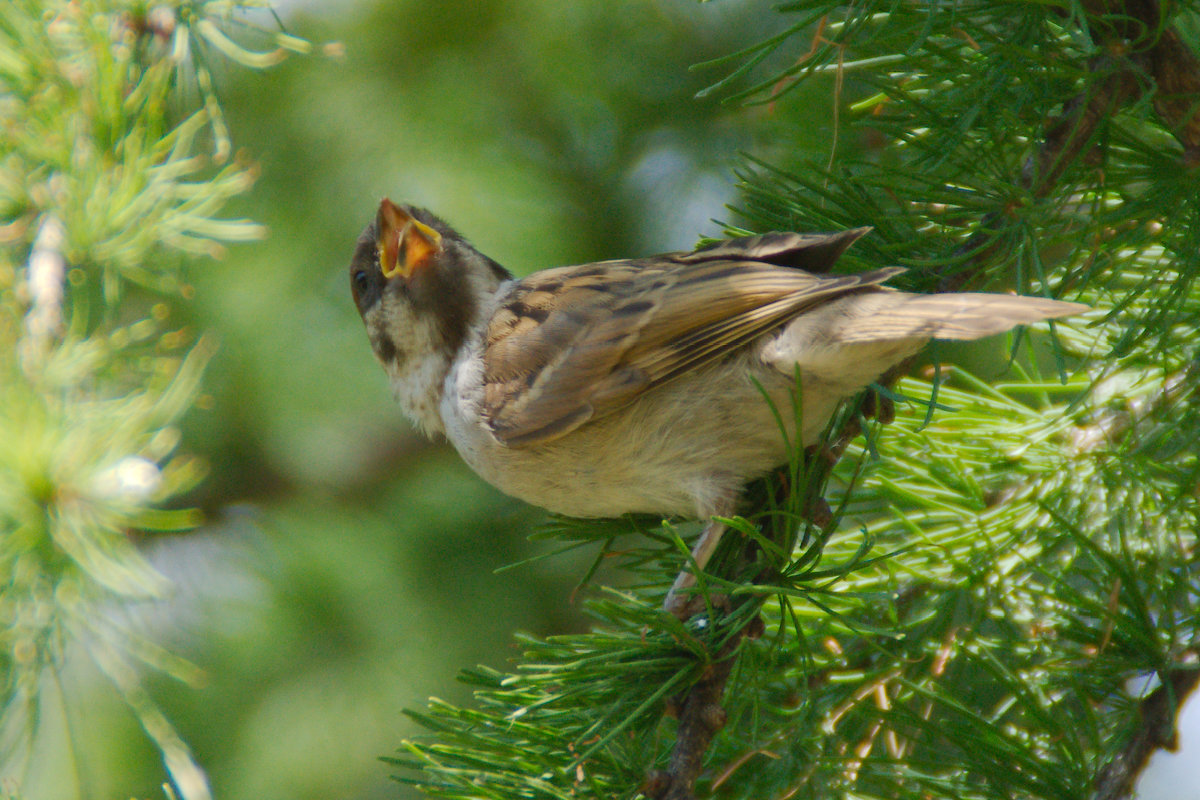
{"x":418,"y":285}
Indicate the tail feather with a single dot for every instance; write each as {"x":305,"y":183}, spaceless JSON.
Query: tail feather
{"x":850,"y":341}
{"x":962,"y":316}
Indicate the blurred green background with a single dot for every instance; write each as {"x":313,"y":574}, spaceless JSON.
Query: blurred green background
{"x":347,"y":567}
{"x":346,"y":570}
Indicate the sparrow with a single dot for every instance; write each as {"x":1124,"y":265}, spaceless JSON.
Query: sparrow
{"x":642,"y":385}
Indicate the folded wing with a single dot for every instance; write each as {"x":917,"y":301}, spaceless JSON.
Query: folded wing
{"x":572,"y":344}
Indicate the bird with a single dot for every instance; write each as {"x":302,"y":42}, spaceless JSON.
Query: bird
{"x":642,"y":385}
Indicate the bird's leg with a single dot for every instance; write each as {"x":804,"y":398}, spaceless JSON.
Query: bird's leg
{"x":678,"y":602}
{"x":815,"y":509}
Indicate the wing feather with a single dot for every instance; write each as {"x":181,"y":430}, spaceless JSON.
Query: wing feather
{"x":814,"y":252}
{"x":575,"y":343}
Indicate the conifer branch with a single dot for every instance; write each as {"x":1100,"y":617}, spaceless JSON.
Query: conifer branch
{"x":1003,"y":568}
{"x":1156,"y":731}
{"x":1042,"y":170}
{"x":1176,"y":71}
{"x":1076,"y":128}
{"x":101,"y":187}
{"x":1134,"y":31}
{"x":1111,"y":426}
{"x":701,"y":716}
{"x":1123,"y":29}
{"x":700,"y":712}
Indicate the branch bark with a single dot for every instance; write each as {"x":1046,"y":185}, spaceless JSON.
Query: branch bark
{"x":701,"y":716}
{"x":1157,"y":731}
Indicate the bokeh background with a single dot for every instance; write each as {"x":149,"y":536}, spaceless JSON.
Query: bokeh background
{"x":347,"y":567}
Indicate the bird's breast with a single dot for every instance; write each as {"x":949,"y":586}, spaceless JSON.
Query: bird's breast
{"x":685,"y":448}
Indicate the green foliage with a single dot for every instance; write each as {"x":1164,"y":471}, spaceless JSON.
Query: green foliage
{"x":1007,"y":578}
{"x":1010,"y":575}
{"x":102,"y":192}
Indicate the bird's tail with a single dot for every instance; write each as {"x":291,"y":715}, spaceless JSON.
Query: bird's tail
{"x":963,"y":316}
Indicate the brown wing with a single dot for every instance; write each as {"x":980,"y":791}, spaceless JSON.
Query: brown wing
{"x":815,"y":252}
{"x":575,"y":343}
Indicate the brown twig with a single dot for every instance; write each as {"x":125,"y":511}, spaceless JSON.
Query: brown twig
{"x":1064,"y":142}
{"x":1136,"y":31}
{"x":700,"y":717}
{"x":1157,"y":731}
{"x":1067,"y":137}
{"x":1176,"y":71}
{"x":700,"y":713}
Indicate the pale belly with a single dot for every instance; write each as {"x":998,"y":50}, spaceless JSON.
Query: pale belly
{"x":686,"y":448}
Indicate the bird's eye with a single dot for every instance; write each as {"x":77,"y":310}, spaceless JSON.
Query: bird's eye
{"x":361,"y":282}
